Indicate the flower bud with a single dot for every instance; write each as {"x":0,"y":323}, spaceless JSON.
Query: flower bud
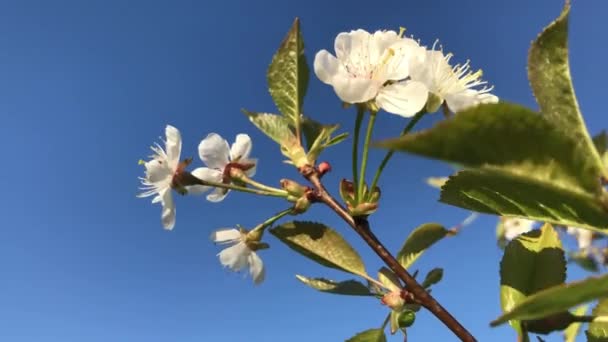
{"x":406,"y":319}
{"x":393,"y":300}
{"x":293,"y":187}
{"x":324,"y":167}
{"x":301,"y":205}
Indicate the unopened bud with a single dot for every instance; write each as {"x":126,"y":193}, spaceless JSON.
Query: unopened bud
{"x":324,"y":167}
{"x":301,"y":205}
{"x":364,"y":209}
{"x":292,"y":187}
{"x":406,"y":319}
{"x":393,"y":300}
{"x":347,"y":192}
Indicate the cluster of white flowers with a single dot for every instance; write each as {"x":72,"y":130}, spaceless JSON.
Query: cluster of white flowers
{"x":398,"y":74}
{"x":384,"y":68}
{"x":162,"y":174}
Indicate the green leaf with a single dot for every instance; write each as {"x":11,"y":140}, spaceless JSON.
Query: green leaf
{"x":531,"y":262}
{"x":321,"y":244}
{"x":277,"y":128}
{"x":573,"y":329}
{"x":510,"y":137}
{"x":389,"y":279}
{"x":433,"y":277}
{"x":371,"y":335}
{"x":419,"y":240}
{"x":598,"y":331}
{"x":347,"y":287}
{"x":557,"y":299}
{"x":288,"y":76}
{"x":549,"y":74}
{"x":318,"y":136}
{"x":507,"y":194}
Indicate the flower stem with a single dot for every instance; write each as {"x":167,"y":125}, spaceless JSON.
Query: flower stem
{"x":273,"y":219}
{"x":368,"y":137}
{"x":389,"y":154}
{"x":261,"y":186}
{"x":355,"y":157}
{"x":193,"y":180}
{"x":385,"y":322}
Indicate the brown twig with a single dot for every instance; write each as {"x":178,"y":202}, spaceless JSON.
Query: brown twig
{"x":361,"y":226}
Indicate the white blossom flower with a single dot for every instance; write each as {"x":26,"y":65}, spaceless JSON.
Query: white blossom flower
{"x":220,"y":159}
{"x":515,"y":226}
{"x":584,"y":237}
{"x":239,"y":255}
{"x":160,"y":172}
{"x":374,"y":66}
{"x":454,"y":85}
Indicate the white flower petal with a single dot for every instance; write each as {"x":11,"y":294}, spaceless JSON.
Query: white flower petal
{"x":197,"y":189}
{"x":225,"y":235}
{"x":380,"y":42}
{"x":157,"y":171}
{"x":235,"y":257}
{"x":355,"y":90}
{"x":403,"y":98}
{"x":241,"y":148}
{"x":430,"y":70}
{"x":468,"y":98}
{"x":214,"y":151}
{"x":516,"y":226}
{"x":585,"y":237}
{"x":398,"y":57}
{"x":353,"y":44}
{"x":256,"y":268}
{"x":217,"y":195}
{"x":326,"y":66}
{"x":173,"y":145}
{"x":168,"y":213}
{"x":207,"y":174}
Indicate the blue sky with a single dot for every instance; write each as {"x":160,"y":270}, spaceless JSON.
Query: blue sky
{"x":87,"y":86}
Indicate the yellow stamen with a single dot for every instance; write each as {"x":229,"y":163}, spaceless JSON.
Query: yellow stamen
{"x":401,"y":31}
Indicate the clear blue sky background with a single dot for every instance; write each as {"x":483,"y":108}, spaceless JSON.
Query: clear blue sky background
{"x":87,"y":86}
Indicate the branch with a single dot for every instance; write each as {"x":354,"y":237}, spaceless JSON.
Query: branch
{"x":361,"y":226}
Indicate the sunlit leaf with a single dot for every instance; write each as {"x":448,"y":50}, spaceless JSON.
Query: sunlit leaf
{"x":371,"y":335}
{"x":549,"y":74}
{"x":573,"y":329}
{"x":598,"y":331}
{"x":531,"y":262}
{"x":433,"y":277}
{"x":321,"y":244}
{"x":557,"y":299}
{"x":389,"y":279}
{"x":503,"y":193}
{"x":288,"y":76}
{"x":419,"y":240}
{"x":347,"y":287}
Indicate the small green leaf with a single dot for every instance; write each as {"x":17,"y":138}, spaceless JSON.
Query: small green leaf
{"x":274,"y":126}
{"x":532,"y":262}
{"x":288,"y":76}
{"x":337,"y":139}
{"x":510,"y":137}
{"x":347,"y":287}
{"x":573,"y":329}
{"x":557,"y":299}
{"x":598,"y":331}
{"x":419,"y":240}
{"x":389,"y":279}
{"x":277,"y":128}
{"x":371,"y":335}
{"x":507,"y":194}
{"x":549,"y":74}
{"x":318,"y":136}
{"x":433,"y":277}
{"x":321,"y":244}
